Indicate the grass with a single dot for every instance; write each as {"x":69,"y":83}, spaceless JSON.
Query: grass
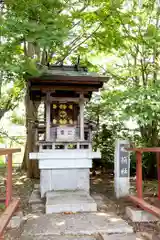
{"x":2,"y":163}
{"x":2,"y":206}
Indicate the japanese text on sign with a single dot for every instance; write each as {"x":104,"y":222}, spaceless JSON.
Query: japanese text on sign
{"x":123,"y":160}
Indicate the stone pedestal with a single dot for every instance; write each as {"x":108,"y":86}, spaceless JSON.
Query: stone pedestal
{"x":64,"y":179}
{"x":66,"y":169}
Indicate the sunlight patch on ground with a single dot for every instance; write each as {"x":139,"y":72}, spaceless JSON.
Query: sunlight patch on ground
{"x":31,"y":216}
{"x":23,"y":177}
{"x":110,"y":216}
{"x":60,"y":223}
{"x":18,"y":183}
{"x":102,"y":214}
{"x":115,"y":219}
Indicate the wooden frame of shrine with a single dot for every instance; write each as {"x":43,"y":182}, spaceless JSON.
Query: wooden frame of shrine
{"x":64,"y":91}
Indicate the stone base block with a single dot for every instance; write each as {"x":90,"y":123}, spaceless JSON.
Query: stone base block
{"x":38,"y":208}
{"x":138,"y":215}
{"x":69,"y":201}
{"x":35,"y":197}
{"x":16,"y":221}
{"x":64,"y":179}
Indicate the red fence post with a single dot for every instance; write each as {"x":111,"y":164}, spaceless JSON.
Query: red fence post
{"x":158,"y":173}
{"x":9,"y":180}
{"x":139,"y":174}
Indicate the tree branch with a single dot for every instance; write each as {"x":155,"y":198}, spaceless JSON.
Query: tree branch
{"x":79,"y":44}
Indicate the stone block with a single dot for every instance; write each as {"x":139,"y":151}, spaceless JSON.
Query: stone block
{"x":138,"y":215}
{"x":32,"y":216}
{"x":19,"y":213}
{"x":69,"y":201}
{"x":39,"y":207}
{"x":64,"y":179}
{"x":35,"y":197}
{"x":16,"y":221}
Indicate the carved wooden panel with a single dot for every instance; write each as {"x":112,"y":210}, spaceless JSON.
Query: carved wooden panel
{"x":64,"y":113}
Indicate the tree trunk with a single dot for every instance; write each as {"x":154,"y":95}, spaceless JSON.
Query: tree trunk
{"x":31,"y":166}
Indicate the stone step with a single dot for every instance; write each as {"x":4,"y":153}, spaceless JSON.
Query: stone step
{"x":76,"y":224}
{"x":102,"y":237}
{"x":59,"y":238}
{"x":69,"y":201}
{"x":119,"y":237}
{"x":132,"y":236}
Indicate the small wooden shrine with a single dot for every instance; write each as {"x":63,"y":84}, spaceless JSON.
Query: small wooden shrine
{"x":64,"y":137}
{"x":64,"y":90}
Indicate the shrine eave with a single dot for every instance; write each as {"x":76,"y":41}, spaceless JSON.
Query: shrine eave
{"x":69,"y":79}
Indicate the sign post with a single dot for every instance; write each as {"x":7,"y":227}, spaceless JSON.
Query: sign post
{"x":121,"y":168}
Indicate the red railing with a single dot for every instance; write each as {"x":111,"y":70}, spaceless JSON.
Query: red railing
{"x":138,"y":200}
{"x":10,"y":203}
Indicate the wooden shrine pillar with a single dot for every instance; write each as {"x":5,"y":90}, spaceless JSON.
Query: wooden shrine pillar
{"x":81,"y":105}
{"x":48,"y":116}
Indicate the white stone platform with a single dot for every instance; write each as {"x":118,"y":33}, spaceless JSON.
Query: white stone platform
{"x":69,"y":201}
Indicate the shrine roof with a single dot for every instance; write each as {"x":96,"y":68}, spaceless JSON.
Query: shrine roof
{"x":56,"y":72}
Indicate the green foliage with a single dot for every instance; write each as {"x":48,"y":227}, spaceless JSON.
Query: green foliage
{"x":16,"y":119}
{"x":2,"y":206}
{"x":124,"y":41}
{"x":133,"y":90}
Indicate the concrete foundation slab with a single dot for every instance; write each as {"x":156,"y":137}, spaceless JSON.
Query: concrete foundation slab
{"x":69,"y":201}
{"x":138,"y":215}
{"x":76,"y":224}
